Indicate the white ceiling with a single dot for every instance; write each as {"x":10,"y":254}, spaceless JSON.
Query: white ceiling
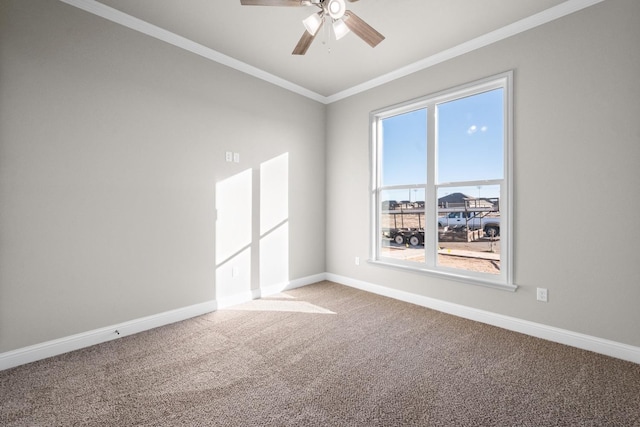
{"x":259,"y":39}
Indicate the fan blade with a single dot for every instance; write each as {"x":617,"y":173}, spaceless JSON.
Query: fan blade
{"x":304,"y":43}
{"x":362,"y":29}
{"x":270,"y":2}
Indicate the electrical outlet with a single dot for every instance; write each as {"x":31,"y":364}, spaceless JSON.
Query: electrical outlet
{"x":236,"y":157}
{"x":543,"y":294}
{"x":357,"y":260}
{"x":228,"y":156}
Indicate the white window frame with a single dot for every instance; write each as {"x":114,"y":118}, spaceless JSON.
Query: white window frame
{"x":503,"y":280}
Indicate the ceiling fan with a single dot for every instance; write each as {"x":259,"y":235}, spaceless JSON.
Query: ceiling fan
{"x":342,"y":21}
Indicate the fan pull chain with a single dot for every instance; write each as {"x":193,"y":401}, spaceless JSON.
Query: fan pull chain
{"x":327,"y":35}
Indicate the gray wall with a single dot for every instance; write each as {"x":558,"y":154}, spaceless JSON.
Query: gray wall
{"x":111,"y":146}
{"x":576,"y":167}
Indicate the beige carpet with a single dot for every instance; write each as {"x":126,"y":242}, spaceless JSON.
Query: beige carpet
{"x":324,"y":355}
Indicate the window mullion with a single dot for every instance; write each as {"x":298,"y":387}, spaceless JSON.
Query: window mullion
{"x":431,"y":206}
{"x":375,"y":161}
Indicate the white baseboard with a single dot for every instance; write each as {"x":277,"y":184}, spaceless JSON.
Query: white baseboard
{"x":271,"y":290}
{"x":55,"y":347}
{"x":246,"y":296}
{"x":549,"y":333}
{"x":52,"y":348}
{"x":238,"y":298}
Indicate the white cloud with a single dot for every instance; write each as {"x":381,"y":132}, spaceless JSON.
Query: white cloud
{"x":473,"y":129}
{"x":484,"y":128}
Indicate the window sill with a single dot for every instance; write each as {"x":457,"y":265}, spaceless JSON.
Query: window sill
{"x":447,"y":275}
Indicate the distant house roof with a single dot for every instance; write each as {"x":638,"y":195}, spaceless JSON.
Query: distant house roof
{"x":459,"y":200}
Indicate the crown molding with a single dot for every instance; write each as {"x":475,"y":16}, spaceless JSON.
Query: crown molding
{"x":156,"y":32}
{"x":517,"y":27}
{"x":541,"y":18}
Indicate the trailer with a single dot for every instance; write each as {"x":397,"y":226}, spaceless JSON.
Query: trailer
{"x":467,"y":221}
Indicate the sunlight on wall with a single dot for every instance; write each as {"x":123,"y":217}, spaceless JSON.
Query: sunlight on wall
{"x":274,"y":193}
{"x":233,"y":235}
{"x":274,"y":258}
{"x":236,"y":241}
{"x":274,"y":226}
{"x":234,"y":277}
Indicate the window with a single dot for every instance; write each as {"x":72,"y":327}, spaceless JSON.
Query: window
{"x":441,"y":183}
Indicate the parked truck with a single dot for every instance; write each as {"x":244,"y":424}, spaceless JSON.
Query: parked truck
{"x":472,"y":221}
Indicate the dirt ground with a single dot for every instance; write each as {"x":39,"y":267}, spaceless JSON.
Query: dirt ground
{"x":482,"y":245}
{"x":471,"y":263}
{"x":475,"y":263}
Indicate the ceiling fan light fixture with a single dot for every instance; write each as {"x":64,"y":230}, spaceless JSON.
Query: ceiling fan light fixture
{"x":313,"y":23}
{"x":340,"y":29}
{"x":343,"y":21}
{"x":336,"y":8}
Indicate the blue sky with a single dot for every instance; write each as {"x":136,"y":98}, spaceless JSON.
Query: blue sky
{"x":404,"y":149}
{"x":470,"y":144}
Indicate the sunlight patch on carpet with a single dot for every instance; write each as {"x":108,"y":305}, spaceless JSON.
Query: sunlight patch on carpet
{"x":278,"y":305}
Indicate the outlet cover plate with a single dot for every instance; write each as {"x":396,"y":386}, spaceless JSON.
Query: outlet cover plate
{"x":542,"y":294}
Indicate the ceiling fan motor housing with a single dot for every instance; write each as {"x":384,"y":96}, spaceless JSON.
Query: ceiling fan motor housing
{"x":335,"y":8}
{"x":343,"y":21}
